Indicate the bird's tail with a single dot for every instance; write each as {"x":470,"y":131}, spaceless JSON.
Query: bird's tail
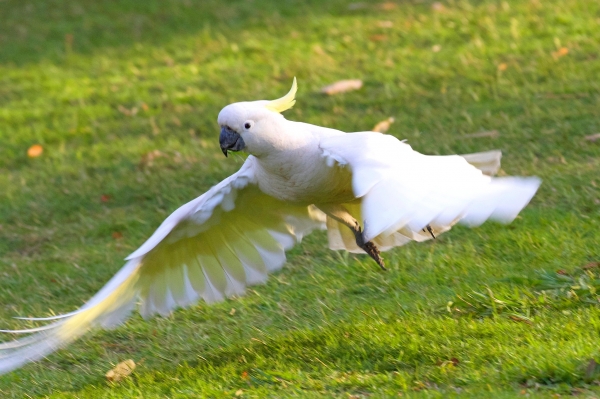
{"x":488,"y":162}
{"x":111,"y":305}
{"x":501,"y":200}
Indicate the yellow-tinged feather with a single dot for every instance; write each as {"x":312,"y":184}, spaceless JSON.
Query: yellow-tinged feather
{"x":79,"y":323}
{"x":286,"y":102}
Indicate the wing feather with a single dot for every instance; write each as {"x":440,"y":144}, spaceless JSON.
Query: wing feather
{"x":402,"y":192}
{"x":210,"y":248}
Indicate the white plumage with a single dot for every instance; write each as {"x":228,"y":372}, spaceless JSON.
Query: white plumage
{"x":298,"y":178}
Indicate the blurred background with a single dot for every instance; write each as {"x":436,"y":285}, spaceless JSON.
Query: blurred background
{"x":108,"y":123}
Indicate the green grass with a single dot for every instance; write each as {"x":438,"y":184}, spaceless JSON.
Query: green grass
{"x":330,"y":324}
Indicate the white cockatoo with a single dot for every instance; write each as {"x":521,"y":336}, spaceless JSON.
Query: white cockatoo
{"x":371,"y":191}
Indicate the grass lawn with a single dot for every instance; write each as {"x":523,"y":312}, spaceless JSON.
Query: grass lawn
{"x":123,"y":96}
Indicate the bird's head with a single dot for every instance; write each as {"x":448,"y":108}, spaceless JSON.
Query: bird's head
{"x":254,"y":126}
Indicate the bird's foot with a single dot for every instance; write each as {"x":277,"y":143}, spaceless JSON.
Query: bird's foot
{"x":430,"y":230}
{"x":369,"y":247}
{"x":374,"y":253}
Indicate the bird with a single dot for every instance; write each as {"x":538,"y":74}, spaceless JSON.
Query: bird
{"x":369,"y":190}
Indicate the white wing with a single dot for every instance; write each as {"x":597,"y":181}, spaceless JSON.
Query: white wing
{"x":210,"y":248}
{"x":402,"y":191}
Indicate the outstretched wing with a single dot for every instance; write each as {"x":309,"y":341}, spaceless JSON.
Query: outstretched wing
{"x":402,"y":192}
{"x":210,"y":248}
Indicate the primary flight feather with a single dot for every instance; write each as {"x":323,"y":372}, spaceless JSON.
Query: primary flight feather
{"x":371,"y":191}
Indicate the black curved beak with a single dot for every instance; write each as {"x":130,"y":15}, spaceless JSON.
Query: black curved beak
{"x":230,"y":140}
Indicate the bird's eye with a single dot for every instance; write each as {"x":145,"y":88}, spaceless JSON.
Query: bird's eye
{"x":248,"y":125}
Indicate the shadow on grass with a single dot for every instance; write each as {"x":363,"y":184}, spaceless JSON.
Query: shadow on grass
{"x":32,"y":31}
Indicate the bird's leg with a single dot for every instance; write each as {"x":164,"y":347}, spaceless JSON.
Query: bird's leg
{"x":428,"y":227}
{"x":368,"y":246}
{"x":341,"y":215}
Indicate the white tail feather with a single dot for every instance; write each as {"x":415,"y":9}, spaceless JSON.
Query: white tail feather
{"x":488,"y":162}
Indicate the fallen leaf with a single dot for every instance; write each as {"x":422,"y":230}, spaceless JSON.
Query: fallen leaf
{"x":591,"y":265}
{"x":149,"y":157}
{"x":244,"y":375}
{"x":561,"y":52}
{"x":117,"y":235}
{"x":488,"y":133}
{"x":562,"y":272}
{"x":454,"y":361}
{"x":129,"y":112}
{"x":105,"y":198}
{"x":385,"y":24}
{"x":239,"y":392}
{"x":383,"y":126}
{"x":35,"y":151}
{"x":502,"y":67}
{"x":592,"y":137}
{"x":436,"y":48}
{"x":437,"y":6}
{"x":342,"y":86}
{"x":232,"y":312}
{"x":387,"y":6}
{"x":377,"y":38}
{"x":121,"y":371}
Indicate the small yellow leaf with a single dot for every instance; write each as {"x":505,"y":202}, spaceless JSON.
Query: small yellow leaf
{"x":232,"y":312}
{"x":342,"y":86}
{"x":239,"y":392}
{"x":502,"y":66}
{"x":383,"y":126}
{"x":35,"y":151}
{"x":436,"y":48}
{"x":121,"y":371}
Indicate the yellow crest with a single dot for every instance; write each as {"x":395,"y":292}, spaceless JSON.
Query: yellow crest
{"x":285,"y":102}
